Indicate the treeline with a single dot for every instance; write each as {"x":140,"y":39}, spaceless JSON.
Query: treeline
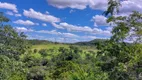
{"x":38,"y":42}
{"x":94,"y":42}
{"x":87,"y":43}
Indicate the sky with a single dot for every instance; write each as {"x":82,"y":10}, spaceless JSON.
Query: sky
{"x":65,"y":21}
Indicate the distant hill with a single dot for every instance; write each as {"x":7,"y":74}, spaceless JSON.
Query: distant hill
{"x":91,"y":43}
{"x":36,"y":42}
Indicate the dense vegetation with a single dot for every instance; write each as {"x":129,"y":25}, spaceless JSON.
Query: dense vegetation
{"x":114,"y":59}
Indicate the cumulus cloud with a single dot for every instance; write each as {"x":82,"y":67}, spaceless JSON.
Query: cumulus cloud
{"x":8,"y":6}
{"x":47,"y":12}
{"x":131,"y":5}
{"x":88,"y":37}
{"x":98,"y":4}
{"x":39,"y":16}
{"x":69,"y":35}
{"x":101,"y":32}
{"x":44,"y":24}
{"x":57,"y":36}
{"x":26,"y":23}
{"x":13,"y":14}
{"x":54,"y":32}
{"x":9,"y":13}
{"x":57,"y":26}
{"x":23,"y":29}
{"x":77,"y":4}
{"x":71,"y":11}
{"x":18,"y":15}
{"x":86,"y":29}
{"x":70,"y":27}
{"x":99,"y":20}
{"x":127,"y":5}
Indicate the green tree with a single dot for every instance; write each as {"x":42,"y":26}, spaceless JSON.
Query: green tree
{"x":119,"y":58}
{"x":11,"y":42}
{"x":113,"y":7}
{"x":10,"y":69}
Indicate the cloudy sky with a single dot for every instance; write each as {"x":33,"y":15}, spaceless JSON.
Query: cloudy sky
{"x":63,"y":20}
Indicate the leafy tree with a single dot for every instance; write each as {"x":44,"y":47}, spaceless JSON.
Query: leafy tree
{"x":113,"y":7}
{"x":11,"y":42}
{"x":10,"y":69}
{"x":118,"y":57}
{"x":36,"y":73}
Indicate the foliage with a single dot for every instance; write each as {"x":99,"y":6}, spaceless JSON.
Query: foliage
{"x":10,"y":69}
{"x":118,"y":58}
{"x":113,"y":7}
{"x":11,"y":42}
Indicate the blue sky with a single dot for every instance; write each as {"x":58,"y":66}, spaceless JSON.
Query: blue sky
{"x":62,"y":20}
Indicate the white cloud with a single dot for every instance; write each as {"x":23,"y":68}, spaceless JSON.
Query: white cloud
{"x":9,"y":13}
{"x":58,"y":36}
{"x":109,"y":28}
{"x":37,"y":15}
{"x":68,"y":35}
{"x":57,"y":26}
{"x":98,"y":4}
{"x":71,"y":11}
{"x":26,"y":23}
{"x":127,"y":5}
{"x":54,"y":32}
{"x":88,"y":37}
{"x":8,"y":6}
{"x":70,"y":27}
{"x":44,"y":24}
{"x":77,"y":4}
{"x":86,"y":29}
{"x":47,"y":12}
{"x":131,"y":5}
{"x":99,"y":20}
{"x":101,"y":32}
{"x":18,"y":15}
{"x":23,"y":29}
{"x":39,"y":37}
{"x":13,"y":14}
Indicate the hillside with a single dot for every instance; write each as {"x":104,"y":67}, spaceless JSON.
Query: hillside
{"x":91,"y":43}
{"x":43,"y":44}
{"x":87,"y":43}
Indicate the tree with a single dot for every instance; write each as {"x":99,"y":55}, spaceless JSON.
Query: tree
{"x":10,"y":69}
{"x":3,"y":18}
{"x":113,"y":7}
{"x":11,"y":42}
{"x":118,"y":57}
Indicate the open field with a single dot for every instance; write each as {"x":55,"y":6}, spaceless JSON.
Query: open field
{"x":48,"y":46}
{"x":56,"y":46}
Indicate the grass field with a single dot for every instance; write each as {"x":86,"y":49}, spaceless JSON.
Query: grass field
{"x":85,"y":49}
{"x":48,"y":46}
{"x":52,"y":45}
